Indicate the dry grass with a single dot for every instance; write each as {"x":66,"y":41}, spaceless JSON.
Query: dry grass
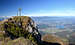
{"x":20,"y":41}
{"x":53,"y":39}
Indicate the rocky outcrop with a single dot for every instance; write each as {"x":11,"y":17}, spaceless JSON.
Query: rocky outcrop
{"x":21,"y":26}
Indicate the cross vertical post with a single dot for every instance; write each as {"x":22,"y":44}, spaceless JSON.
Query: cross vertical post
{"x":19,"y":11}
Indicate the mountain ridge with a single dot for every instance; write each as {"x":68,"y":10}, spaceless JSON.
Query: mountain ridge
{"x":23,"y":26}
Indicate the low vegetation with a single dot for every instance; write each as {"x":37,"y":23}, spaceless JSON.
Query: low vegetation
{"x":21,"y":30}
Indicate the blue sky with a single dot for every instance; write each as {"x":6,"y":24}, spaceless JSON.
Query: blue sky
{"x":38,"y":7}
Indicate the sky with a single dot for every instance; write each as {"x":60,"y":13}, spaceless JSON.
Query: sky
{"x":38,"y":7}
